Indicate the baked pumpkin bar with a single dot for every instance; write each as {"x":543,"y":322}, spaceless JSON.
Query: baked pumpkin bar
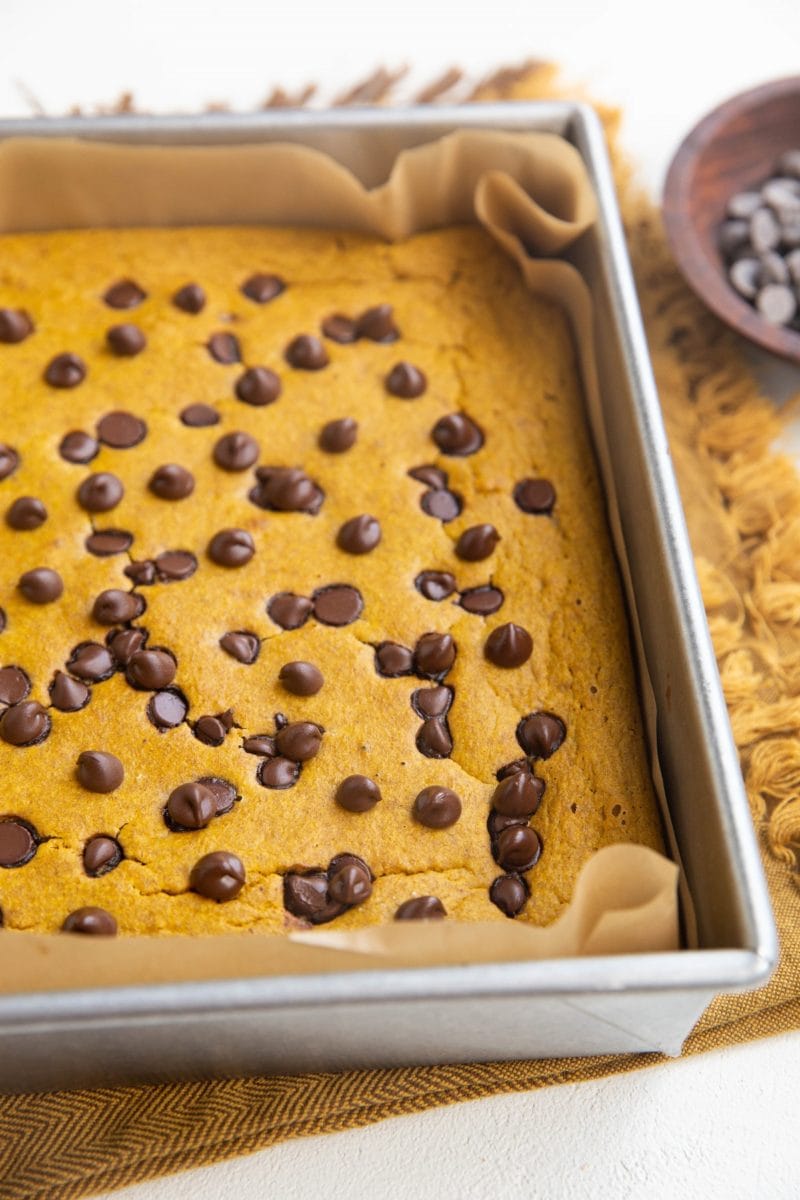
{"x":309,"y":608}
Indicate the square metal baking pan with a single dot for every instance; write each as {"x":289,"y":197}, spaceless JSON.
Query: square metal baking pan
{"x":512,"y":1010}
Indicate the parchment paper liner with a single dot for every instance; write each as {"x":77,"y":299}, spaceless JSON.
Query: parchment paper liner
{"x":532,"y":193}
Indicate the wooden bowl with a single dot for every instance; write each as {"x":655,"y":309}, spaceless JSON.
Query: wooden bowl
{"x":732,"y":150}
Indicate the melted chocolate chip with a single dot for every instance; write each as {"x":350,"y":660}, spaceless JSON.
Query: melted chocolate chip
{"x":278,"y":773}
{"x":19,"y":841}
{"x":124,"y":643}
{"x":150,"y":670}
{"x":224,"y":348}
{"x":143,"y":574}
{"x":510,"y":893}
{"x":357,"y":794}
{"x":105,"y":542}
{"x":99,"y":771}
{"x":518,"y":795}
{"x":286,"y":489}
{"x":359,"y":535}
{"x":338,"y":436}
{"x":68,"y":695}
{"x":41,"y":585}
{"x":540,"y":734}
{"x":288,"y":610}
{"x":437,"y":807}
{"x":91,"y":662}
{"x":307,"y":353}
{"x":512,"y":768}
{"x":349,"y":880}
{"x":508,"y":646}
{"x":435,"y":585}
{"x":115,"y":607}
{"x":535,"y":496}
{"x":432,"y":477}
{"x":190,"y":298}
{"x":477,"y":543}
{"x":393,"y":660}
{"x":26,"y":513}
{"x":174,"y":565}
{"x":305,"y":895}
{"x":14,"y":685}
{"x":405,"y":381}
{"x":126,"y":293}
{"x":197,"y":416}
{"x":9,"y":460}
{"x":65,"y":371}
{"x":432,"y":701}
{"x":218,"y":876}
{"x":262,"y":288}
{"x":100,"y":492}
{"x":434,"y":739}
{"x":190,"y":806}
{"x":125,"y":341}
{"x":299,"y":741}
{"x":421,"y":908}
{"x":482,"y":601}
{"x":231,"y":548}
{"x":457,"y":435}
{"x":212,"y":731}
{"x":15,"y":325}
{"x":442,"y":504}
{"x":517,"y":848}
{"x":171,"y":482}
{"x":434,"y":655}
{"x":223,"y":791}
{"x":340,"y":328}
{"x":301,"y":678}
{"x":377,"y":324}
{"x":241,"y":645}
{"x":90,"y":921}
{"x":236,"y":451}
{"x":167,"y":709}
{"x":101,"y":854}
{"x":258,"y":387}
{"x":260,"y":743}
{"x":338,"y":604}
{"x":121,"y":430}
{"x":78,"y":447}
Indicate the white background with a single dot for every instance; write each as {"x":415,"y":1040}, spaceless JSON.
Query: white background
{"x":720,"y":1125}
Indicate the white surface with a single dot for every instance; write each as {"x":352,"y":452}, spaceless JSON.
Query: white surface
{"x":720,"y":1125}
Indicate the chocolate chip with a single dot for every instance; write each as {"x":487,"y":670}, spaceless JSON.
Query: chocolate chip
{"x":78,"y":447}
{"x":286,"y":489}
{"x":236,"y":451}
{"x":434,"y":739}
{"x":190,"y":298}
{"x":457,"y":435}
{"x":508,"y":646}
{"x":26,"y":513}
{"x":517,"y":848}
{"x":743,"y":205}
{"x":434,"y":654}
{"x":92,"y":921}
{"x":167,"y":709}
{"x":171,"y":482}
{"x":357,"y":794}
{"x":224,"y":348}
{"x":307,"y":353}
{"x":421,"y":908}
{"x":512,"y":768}
{"x":211,"y":731}
{"x":349,"y":880}
{"x":143,"y":574}
{"x":190,"y":806}
{"x":101,"y":854}
{"x":9,"y":460}
{"x":25,"y":724}
{"x":231,"y":548}
{"x":41,"y":585}
{"x":359,"y":535}
{"x":437,"y":807}
{"x":745,"y":275}
{"x":337,"y":604}
{"x":518,"y":795}
{"x":278,"y":773}
{"x":340,"y":328}
{"x":241,"y":645}
{"x":776,"y":303}
{"x":301,"y":678}
{"x":510,"y":894}
{"x":197,"y":416}
{"x":540,"y":734}
{"x":432,"y":477}
{"x":405,"y":381}
{"x":99,"y":771}
{"x":435,"y":585}
{"x":259,"y":743}
{"x":65,"y":371}
{"x":91,"y":662}
{"x":124,"y":643}
{"x":482,"y":601}
{"x":393,"y":660}
{"x":100,"y":492}
{"x":171,"y":566}
{"x":432,"y":701}
{"x":14,"y":685}
{"x":442,"y":504}
{"x":126,"y":341}
{"x":338,"y":436}
{"x":223,"y":791}
{"x":15,"y":325}
{"x":377,"y":324}
{"x":300,"y":741}
{"x":150,"y":670}
{"x":306,"y":896}
{"x":477,"y":543}
{"x":765,"y":230}
{"x":115,"y":607}
{"x":535,"y":496}
{"x":734,"y":236}
{"x":19,"y":841}
{"x":263,"y":288}
{"x":126,"y":293}
{"x":105,"y":542}
{"x":258,"y":386}
{"x":288,"y":610}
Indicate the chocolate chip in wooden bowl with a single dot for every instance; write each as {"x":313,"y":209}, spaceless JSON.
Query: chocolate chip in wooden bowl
{"x":359,"y":535}
{"x":15,"y":326}
{"x":436,"y":807}
{"x":421,"y":908}
{"x":199,"y":416}
{"x":242,"y":645}
{"x":405,"y":381}
{"x":289,"y":610}
{"x":126,"y":341}
{"x":26,"y":513}
{"x":125,"y":293}
{"x":261,"y":288}
{"x":121,"y":430}
{"x":15,"y":684}
{"x":90,"y":921}
{"x":306,"y":353}
{"x":19,"y":841}
{"x":167,"y":709}
{"x":338,"y":436}
{"x":218,"y":876}
{"x":776,"y":303}
{"x":25,"y":724}
{"x":78,"y":447}
{"x":68,"y":694}
{"x":66,"y":370}
{"x":338,"y":604}
{"x":537,"y":496}
{"x":171,"y":481}
{"x":190,"y":298}
{"x":101,"y":854}
{"x":224,"y":348}
{"x":457,"y":435}
{"x":435,"y":585}
{"x":9,"y":460}
{"x":258,"y":387}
